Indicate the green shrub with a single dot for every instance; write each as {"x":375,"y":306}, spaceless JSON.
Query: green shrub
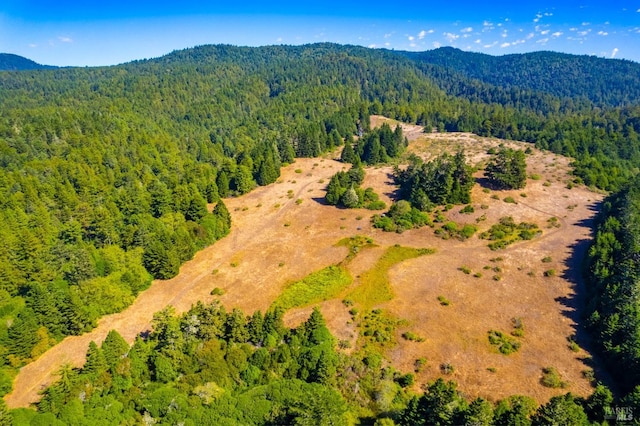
{"x":408,"y":335}
{"x":518,"y":327}
{"x":419,"y":364}
{"x":465,"y":270}
{"x":505,"y":344}
{"x":507,"y":232}
{"x":443,"y":301}
{"x":550,"y":273}
{"x":552,"y":379}
{"x":509,"y":200}
{"x":546,"y":259}
{"x":447,"y":368}
{"x":217,"y":291}
{"x":468,"y":209}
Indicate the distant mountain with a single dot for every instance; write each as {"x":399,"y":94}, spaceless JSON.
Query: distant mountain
{"x":11,"y":62}
{"x":605,"y":82}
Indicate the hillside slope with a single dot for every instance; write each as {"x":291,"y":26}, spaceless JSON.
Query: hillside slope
{"x":11,"y":62}
{"x":605,"y":82}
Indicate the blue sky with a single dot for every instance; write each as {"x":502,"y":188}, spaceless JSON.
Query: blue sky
{"x":91,"y":32}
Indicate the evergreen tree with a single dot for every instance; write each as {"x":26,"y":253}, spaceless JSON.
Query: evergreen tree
{"x":508,"y":169}
{"x":348,"y":155}
{"x":267,"y":172}
{"x":221,"y":213}
{"x":560,"y":410}
{"x":222,"y":182}
{"x":114,"y":347}
{"x":96,"y":363}
{"x":350,"y":198}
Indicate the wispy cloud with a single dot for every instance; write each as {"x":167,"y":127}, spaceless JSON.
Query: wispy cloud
{"x":33,"y":45}
{"x":437,"y":44}
{"x":65,"y":39}
{"x":545,"y":32}
{"x":503,"y":45}
{"x":603,"y":33}
{"x":542,"y":41}
{"x":614,"y":52}
{"x":504,"y":34}
{"x":451,"y":37}
{"x":411,"y":38}
{"x":466,"y":30}
{"x":557,"y":34}
{"x":488,"y":46}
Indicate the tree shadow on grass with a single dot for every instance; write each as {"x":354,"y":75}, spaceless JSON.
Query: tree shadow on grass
{"x":574,"y":306}
{"x":484,"y":182}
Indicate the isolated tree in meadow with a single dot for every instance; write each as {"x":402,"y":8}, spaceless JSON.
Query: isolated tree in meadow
{"x":508,"y":169}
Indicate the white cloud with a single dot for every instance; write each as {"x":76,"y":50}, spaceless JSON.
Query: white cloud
{"x":411,"y":38}
{"x":603,"y":33}
{"x":584,"y":33}
{"x":504,"y":34}
{"x":542,"y":41}
{"x":421,"y":34}
{"x":387,"y":44}
{"x":466,"y":30}
{"x":488,"y":46}
{"x":614,"y":52}
{"x":65,"y":39}
{"x":584,"y":24}
{"x":573,"y":29}
{"x":530,"y":36}
{"x":451,"y":37}
{"x":548,"y":14}
{"x":557,"y":34}
{"x":478,"y":41}
{"x":487,"y":26}
{"x":515,"y":43}
{"x":503,"y":45}
{"x":545,"y":32}
{"x":437,"y":44}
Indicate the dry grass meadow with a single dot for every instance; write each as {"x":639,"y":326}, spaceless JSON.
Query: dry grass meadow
{"x":284,"y":231}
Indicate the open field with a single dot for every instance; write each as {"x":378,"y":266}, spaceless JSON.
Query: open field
{"x":276,"y":239}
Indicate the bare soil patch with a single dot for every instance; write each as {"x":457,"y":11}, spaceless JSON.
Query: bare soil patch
{"x":275,"y":240}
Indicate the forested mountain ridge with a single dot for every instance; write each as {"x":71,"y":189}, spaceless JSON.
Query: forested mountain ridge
{"x":106,"y":172}
{"x":11,"y":62}
{"x":605,"y":82}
